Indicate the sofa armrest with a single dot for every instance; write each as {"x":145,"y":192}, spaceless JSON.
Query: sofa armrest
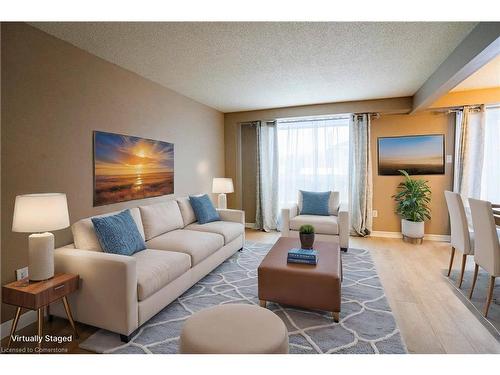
{"x":344,"y":227}
{"x":107,"y":297}
{"x":288,"y":213}
{"x":237,"y":216}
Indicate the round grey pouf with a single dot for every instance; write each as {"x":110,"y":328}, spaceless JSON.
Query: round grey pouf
{"x":234,"y":329}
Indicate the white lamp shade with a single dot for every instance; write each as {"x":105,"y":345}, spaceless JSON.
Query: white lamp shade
{"x":40,"y":213}
{"x":222,"y":185}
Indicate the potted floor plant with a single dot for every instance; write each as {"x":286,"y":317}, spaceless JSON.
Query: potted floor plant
{"x":306,"y":234}
{"x":412,"y":205}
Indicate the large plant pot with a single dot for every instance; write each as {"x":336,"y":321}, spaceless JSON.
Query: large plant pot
{"x":413,"y":231}
{"x":306,"y":240}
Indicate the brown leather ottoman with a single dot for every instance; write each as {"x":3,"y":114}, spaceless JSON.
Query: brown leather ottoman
{"x":302,"y":285}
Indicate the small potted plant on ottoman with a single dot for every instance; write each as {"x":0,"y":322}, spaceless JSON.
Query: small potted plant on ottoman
{"x":306,"y":233}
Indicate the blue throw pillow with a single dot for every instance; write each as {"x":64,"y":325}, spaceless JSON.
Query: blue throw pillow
{"x":203,"y":208}
{"x":118,"y":234}
{"x":315,"y":203}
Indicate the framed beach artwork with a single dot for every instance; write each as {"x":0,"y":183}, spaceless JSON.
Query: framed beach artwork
{"x":128,"y":168}
{"x":416,"y":154}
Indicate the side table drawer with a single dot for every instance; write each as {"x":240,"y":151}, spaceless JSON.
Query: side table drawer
{"x":56,"y":292}
{"x":37,"y":294}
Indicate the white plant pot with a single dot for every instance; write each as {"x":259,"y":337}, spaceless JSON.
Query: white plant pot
{"x":412,"y":229}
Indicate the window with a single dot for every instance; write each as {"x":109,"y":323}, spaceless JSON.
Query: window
{"x":313,"y":155}
{"x":490,"y":180}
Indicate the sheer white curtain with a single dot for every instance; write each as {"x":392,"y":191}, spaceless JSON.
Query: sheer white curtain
{"x":266,"y":213}
{"x":361,"y":192}
{"x":490,"y":179}
{"x":469,"y":152}
{"x":313,"y":155}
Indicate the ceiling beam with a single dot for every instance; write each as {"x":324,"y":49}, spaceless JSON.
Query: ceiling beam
{"x":478,"y":48}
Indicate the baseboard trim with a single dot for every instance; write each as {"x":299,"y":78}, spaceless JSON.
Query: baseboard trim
{"x":25,"y":319}
{"x":249,"y":225}
{"x":383,"y":234}
{"x":438,"y":237}
{"x":429,"y":237}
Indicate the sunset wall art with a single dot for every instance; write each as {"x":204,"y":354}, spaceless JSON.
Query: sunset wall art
{"x":416,"y":154}
{"x":128,"y":168}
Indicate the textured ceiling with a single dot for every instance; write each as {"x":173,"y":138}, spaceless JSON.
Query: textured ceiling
{"x":245,"y":66}
{"x":486,"y":77}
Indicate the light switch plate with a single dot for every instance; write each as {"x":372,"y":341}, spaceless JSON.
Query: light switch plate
{"x":22,"y":273}
{"x":374,"y":213}
{"x":449,"y":159}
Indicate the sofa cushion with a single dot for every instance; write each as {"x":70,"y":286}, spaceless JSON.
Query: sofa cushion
{"x":333,"y":203}
{"x":228,"y":229}
{"x":157,"y":268}
{"x":199,"y":245}
{"x":186,"y":210}
{"x":204,"y":209}
{"x":160,"y":218}
{"x":118,"y":234}
{"x":321,"y":224}
{"x":84,"y":235}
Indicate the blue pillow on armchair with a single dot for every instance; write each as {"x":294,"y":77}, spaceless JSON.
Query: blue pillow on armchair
{"x":315,"y":203}
{"x":118,"y":234}
{"x":204,"y":209}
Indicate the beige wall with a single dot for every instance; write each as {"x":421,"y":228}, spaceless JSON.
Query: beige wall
{"x":385,"y":186}
{"x":53,"y":96}
{"x":249,"y":171}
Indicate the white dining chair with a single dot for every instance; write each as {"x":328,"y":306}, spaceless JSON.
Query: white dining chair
{"x":461,"y":238}
{"x":487,"y":245}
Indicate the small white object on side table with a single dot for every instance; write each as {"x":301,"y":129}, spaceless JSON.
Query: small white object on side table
{"x":222,"y":186}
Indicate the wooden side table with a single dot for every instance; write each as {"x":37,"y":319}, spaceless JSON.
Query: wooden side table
{"x":36,"y":295}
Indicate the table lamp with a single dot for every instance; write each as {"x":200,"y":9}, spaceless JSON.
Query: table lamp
{"x":37,"y":214}
{"x":222,"y":186}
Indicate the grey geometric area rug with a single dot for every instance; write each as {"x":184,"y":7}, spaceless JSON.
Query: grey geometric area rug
{"x":476,"y":305}
{"x":366,"y":325}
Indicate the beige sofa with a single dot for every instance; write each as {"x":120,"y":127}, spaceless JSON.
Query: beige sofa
{"x":334,"y":227}
{"x":120,"y":293}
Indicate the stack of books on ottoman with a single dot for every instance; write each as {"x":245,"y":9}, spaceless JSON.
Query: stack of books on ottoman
{"x":303,"y":256}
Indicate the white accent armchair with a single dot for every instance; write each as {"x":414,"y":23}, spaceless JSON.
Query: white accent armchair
{"x":334,"y":227}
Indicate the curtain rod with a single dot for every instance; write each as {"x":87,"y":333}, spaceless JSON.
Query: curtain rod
{"x":474,"y":107}
{"x":249,"y":123}
{"x":492,"y":106}
{"x":286,"y":120}
{"x":332,"y":117}
{"x":342,"y":117}
{"x":373,"y":114}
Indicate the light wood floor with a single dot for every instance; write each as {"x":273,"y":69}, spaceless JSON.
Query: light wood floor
{"x":430,"y":316}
